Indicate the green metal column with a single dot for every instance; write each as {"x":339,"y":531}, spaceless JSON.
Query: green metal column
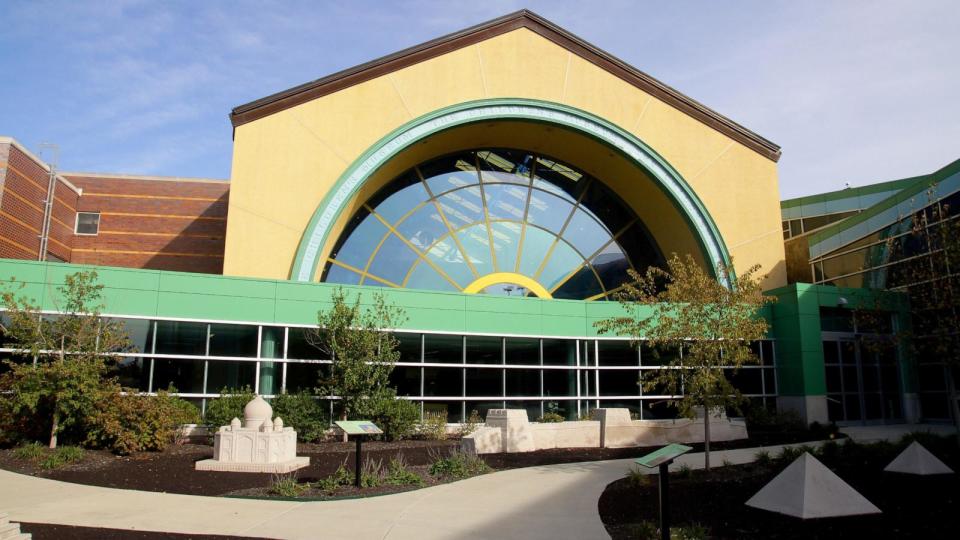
{"x":271,"y":346}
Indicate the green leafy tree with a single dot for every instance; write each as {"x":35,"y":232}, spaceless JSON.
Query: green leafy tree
{"x":62,"y":367}
{"x":356,"y":338}
{"x":685,"y":308}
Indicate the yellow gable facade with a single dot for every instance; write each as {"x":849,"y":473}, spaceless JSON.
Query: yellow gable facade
{"x":291,"y":150}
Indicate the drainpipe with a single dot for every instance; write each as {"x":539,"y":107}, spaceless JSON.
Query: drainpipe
{"x":48,"y":206}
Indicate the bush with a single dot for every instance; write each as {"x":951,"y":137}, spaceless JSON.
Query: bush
{"x":637,"y":478}
{"x":762,"y":457}
{"x":286,"y":485}
{"x":684,"y":471}
{"x":550,"y":417}
{"x":371,"y":473}
{"x":470,"y":424}
{"x":434,"y":426}
{"x":396,"y":417}
{"x":228,"y":406}
{"x":644,"y":530}
{"x":342,"y":477}
{"x":133,"y":423}
{"x":399,"y":475}
{"x":303,"y":413}
{"x":760,"y":418}
{"x":29,"y":451}
{"x":458,"y":464}
{"x":63,"y":455}
{"x":689,"y":532}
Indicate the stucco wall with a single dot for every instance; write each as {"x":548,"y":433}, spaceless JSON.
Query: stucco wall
{"x":285,"y":163}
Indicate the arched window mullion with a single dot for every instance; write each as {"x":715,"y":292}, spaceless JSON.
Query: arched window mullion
{"x":486,"y":215}
{"x":566,"y":223}
{"x":526,"y":213}
{"x":446,"y":222}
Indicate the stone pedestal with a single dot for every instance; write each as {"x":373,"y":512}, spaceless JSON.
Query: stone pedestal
{"x":515,"y":432}
{"x":260,"y":445}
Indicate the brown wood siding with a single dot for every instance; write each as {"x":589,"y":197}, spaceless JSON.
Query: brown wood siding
{"x":175,"y":224}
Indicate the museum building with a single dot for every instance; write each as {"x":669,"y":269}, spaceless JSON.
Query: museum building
{"x":497,"y":184}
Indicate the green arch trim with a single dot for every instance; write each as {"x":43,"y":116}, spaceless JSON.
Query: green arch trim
{"x":669,"y":180}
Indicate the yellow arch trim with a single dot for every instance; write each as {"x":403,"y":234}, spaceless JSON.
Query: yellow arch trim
{"x":507,"y":277}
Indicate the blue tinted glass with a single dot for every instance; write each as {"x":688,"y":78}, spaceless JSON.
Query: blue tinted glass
{"x":425,"y":277}
{"x":361,"y":243}
{"x":448,"y":258}
{"x":536,"y":243}
{"x":339,"y":274}
{"x":477,"y":244}
{"x":506,"y":241}
{"x":581,"y":285}
{"x":423,"y":227}
{"x":463,"y":206}
{"x":505,"y":166}
{"x":611,"y":265}
{"x":505,"y":201}
{"x":452,"y":179}
{"x":548,"y":211}
{"x":392,"y":261}
{"x":402,"y":202}
{"x":585,"y":234}
{"x":562,"y":262}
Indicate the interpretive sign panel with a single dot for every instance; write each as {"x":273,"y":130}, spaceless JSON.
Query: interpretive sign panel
{"x":359,"y":427}
{"x":663,"y":455}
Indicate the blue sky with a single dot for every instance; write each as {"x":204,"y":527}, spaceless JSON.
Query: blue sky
{"x":856,"y":91}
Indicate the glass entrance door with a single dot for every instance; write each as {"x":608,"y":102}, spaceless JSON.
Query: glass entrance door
{"x":863,"y":381}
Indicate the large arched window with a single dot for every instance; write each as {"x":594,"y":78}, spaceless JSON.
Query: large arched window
{"x":500,"y":221}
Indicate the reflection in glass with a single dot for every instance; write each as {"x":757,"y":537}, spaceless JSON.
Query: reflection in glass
{"x":499,"y":210}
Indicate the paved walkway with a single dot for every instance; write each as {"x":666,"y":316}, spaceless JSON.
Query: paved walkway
{"x":550,"y":502}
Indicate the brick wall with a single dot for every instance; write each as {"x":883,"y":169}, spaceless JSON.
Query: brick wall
{"x":153,"y":222}
{"x":24,"y":190}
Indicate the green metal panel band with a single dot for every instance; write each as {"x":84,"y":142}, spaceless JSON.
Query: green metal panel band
{"x":668,"y":179}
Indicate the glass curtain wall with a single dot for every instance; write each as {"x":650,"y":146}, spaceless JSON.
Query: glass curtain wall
{"x":452,"y":374}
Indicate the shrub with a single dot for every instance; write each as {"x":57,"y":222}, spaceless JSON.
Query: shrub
{"x":63,"y":455}
{"x":458,"y":464}
{"x":550,"y":417}
{"x":28,"y":451}
{"x":693,"y":531}
{"x":399,"y":475}
{"x":342,"y":477}
{"x":303,"y":413}
{"x":286,"y":485}
{"x":761,"y":418}
{"x":434,"y":426}
{"x":396,"y":417}
{"x":763,"y":457}
{"x":228,"y":406}
{"x":470,"y":424}
{"x":684,"y":471}
{"x":371,"y":473}
{"x":637,"y":478}
{"x":645,"y":530}
{"x":133,"y":423}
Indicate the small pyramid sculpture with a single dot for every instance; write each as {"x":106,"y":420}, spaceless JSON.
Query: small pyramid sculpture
{"x":807,"y":489}
{"x":915,"y":459}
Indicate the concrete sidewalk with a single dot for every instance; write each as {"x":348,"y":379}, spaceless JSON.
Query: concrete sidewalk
{"x":549,"y":502}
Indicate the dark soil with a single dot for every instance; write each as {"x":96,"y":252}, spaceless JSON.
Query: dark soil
{"x":44,"y":531}
{"x":913,"y":506}
{"x":172,"y":471}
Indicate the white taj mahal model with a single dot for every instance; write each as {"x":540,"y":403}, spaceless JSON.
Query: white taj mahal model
{"x":260,"y":445}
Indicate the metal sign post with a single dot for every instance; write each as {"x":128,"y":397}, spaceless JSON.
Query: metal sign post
{"x":358,"y":428}
{"x":662,"y":459}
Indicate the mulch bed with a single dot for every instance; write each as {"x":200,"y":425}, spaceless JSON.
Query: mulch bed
{"x":172,"y":471}
{"x":913,"y":506}
{"x":45,"y":531}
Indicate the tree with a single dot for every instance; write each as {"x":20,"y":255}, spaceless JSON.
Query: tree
{"x":930,"y":275}
{"x":64,"y":358}
{"x":355,"y":337}
{"x":712,"y":325}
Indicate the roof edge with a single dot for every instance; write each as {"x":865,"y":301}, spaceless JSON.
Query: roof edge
{"x":524,"y":18}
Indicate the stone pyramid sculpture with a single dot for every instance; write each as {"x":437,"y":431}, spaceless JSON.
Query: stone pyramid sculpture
{"x":915,"y":459}
{"x":807,"y":489}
